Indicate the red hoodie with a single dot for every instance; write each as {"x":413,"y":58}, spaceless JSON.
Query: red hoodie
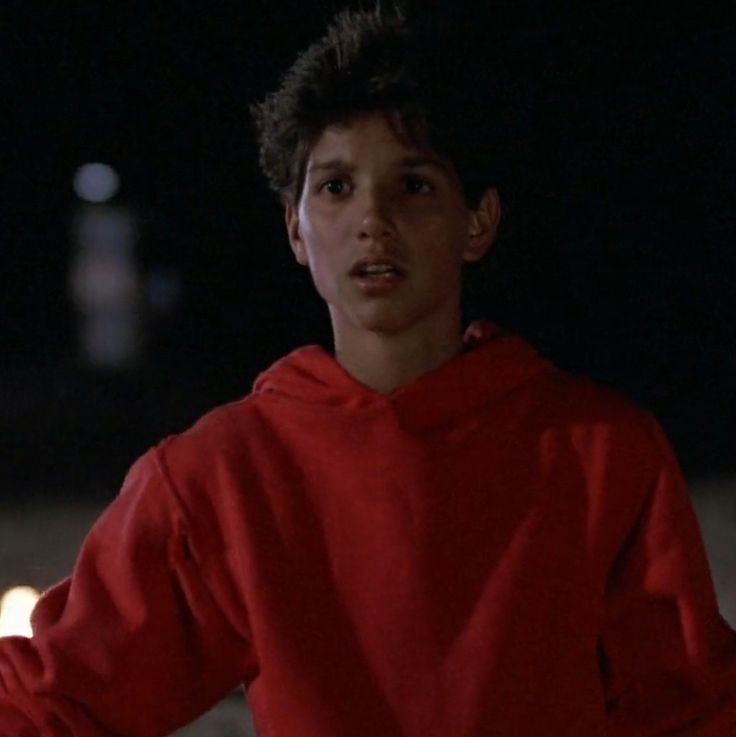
{"x":495,"y":550}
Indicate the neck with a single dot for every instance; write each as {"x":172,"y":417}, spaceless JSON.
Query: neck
{"x":386,"y":361}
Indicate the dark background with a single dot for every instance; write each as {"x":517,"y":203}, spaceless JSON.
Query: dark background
{"x":617,"y":258}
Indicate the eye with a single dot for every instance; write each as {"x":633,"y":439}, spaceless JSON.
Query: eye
{"x":418,"y":185}
{"x":334,"y":186}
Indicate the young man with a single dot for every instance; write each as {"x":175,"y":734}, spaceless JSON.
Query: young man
{"x":429,"y":532}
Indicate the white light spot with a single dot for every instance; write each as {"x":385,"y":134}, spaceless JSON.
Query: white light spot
{"x":96,"y":182}
{"x":15,"y":611}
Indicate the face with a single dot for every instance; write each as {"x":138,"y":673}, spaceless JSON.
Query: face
{"x":384,"y":228}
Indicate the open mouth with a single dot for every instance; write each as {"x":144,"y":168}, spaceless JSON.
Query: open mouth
{"x":377,"y":269}
{"x":377,"y":278}
{"x":378,"y":272}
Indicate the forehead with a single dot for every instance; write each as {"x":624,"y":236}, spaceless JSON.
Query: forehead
{"x":375,"y":135}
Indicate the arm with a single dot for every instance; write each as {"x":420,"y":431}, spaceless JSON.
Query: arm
{"x":669,"y":658}
{"x":133,"y":642}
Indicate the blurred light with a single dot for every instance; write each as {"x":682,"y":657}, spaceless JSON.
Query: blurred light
{"x":96,"y":182}
{"x":106,"y":288}
{"x":15,"y":611}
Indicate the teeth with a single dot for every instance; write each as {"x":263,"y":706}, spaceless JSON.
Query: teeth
{"x":378,"y":269}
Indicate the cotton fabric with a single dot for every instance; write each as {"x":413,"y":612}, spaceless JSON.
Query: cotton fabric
{"x":495,"y":549}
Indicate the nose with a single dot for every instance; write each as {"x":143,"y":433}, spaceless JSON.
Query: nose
{"x":375,"y":221}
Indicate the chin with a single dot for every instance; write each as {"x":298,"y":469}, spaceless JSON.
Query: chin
{"x":386,"y":319}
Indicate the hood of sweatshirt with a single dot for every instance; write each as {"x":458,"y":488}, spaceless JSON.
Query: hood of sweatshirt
{"x":493,"y":364}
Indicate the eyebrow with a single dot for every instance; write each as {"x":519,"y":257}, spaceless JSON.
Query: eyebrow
{"x":331,"y":165}
{"x":412,"y":162}
{"x":407,"y":162}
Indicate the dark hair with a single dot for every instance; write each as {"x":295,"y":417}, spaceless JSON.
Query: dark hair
{"x":371,"y":60}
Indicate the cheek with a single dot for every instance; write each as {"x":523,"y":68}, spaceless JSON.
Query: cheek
{"x":322,"y":232}
{"x":444,"y":220}
{"x":444,"y":240}
{"x":322,"y":254}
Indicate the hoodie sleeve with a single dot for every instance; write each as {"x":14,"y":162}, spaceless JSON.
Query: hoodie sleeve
{"x":669,"y":658}
{"x":133,"y":643}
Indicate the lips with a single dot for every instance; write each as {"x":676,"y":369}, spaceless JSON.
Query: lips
{"x":378,"y":276}
{"x":377,"y":266}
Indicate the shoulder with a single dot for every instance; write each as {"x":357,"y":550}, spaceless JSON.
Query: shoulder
{"x":594,"y":436}
{"x":578,"y":402}
{"x":601,"y":424}
{"x":203,"y":470}
{"x":219,"y":436}
{"x":517,"y":370}
{"x":218,"y":429}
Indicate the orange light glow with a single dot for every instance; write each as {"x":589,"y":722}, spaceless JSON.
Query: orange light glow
{"x":16,"y":606}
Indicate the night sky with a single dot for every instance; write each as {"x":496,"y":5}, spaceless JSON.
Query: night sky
{"x":617,"y":258}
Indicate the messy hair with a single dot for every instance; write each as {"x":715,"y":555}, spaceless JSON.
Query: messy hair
{"x":376,"y":60}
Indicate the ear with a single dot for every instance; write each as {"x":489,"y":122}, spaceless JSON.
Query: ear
{"x":291,"y":218}
{"x":482,"y":225}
